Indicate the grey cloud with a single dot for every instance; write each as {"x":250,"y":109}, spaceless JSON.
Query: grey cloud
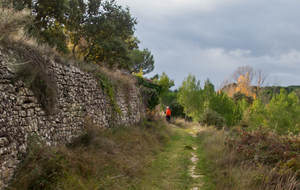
{"x":184,"y":36}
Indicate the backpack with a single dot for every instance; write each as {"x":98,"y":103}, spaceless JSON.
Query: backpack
{"x":168,"y":112}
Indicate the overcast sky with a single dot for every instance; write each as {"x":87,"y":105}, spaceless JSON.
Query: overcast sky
{"x":212,"y":38}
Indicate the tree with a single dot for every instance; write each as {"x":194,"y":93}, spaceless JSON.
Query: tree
{"x":106,"y":32}
{"x":243,"y":71}
{"x":209,"y":90}
{"x":283,"y":112}
{"x":75,"y":23}
{"x":142,"y":59}
{"x":251,"y":76}
{"x":220,"y":103}
{"x":189,"y":94}
{"x":228,"y":86}
{"x":50,"y":21}
{"x":244,"y":79}
{"x":223,"y":105}
{"x":94,"y":30}
{"x":165,"y":82}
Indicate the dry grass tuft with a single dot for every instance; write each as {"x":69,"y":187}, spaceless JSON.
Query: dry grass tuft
{"x":194,"y":127}
{"x":12,"y":21}
{"x":34,"y":70}
{"x":179,"y":122}
{"x":119,"y":76}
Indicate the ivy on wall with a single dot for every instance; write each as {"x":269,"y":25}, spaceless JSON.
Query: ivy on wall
{"x":151,"y":92}
{"x":108,"y":86}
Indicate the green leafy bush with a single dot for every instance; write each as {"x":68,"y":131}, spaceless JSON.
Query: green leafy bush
{"x":177,"y":109}
{"x":212,"y":118}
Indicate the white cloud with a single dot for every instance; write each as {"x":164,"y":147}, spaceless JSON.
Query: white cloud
{"x":239,"y":53}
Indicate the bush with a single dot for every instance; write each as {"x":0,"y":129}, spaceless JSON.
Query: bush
{"x":177,"y":109}
{"x":212,"y":118}
{"x":264,"y":147}
{"x":245,"y":160}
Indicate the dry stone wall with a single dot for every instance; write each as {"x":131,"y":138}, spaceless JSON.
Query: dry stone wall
{"x":79,"y":98}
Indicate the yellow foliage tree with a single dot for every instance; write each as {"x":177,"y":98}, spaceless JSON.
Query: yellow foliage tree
{"x":244,"y":85}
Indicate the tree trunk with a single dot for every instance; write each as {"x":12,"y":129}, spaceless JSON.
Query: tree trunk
{"x":186,"y":112}
{"x":89,"y":53}
{"x":73,"y":51}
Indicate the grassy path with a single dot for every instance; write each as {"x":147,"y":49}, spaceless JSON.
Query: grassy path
{"x":172,"y":167}
{"x":155,"y":156}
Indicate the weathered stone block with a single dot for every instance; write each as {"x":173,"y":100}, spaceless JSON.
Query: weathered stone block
{"x":3,"y":141}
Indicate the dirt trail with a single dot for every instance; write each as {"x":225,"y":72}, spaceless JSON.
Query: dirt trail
{"x":192,"y":168}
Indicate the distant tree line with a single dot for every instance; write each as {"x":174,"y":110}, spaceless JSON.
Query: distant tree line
{"x":239,"y":104}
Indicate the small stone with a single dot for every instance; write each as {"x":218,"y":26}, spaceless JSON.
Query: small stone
{"x":6,"y":174}
{"x":30,"y":112}
{"x":4,"y":141}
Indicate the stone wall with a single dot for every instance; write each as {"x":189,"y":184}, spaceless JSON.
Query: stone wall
{"x":79,"y":97}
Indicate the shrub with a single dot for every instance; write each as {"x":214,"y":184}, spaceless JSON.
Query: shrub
{"x":245,"y":160}
{"x":177,"y":109}
{"x":212,"y":118}
{"x":151,"y":115}
{"x":264,"y":147}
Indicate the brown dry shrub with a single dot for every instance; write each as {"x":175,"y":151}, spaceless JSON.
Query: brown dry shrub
{"x":232,"y":170}
{"x":35,"y":70}
{"x":12,"y":21}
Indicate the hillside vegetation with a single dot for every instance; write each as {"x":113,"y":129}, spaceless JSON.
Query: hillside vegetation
{"x":97,"y":159}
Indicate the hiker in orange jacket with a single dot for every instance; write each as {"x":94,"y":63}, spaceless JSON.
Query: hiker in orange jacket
{"x":168,"y":114}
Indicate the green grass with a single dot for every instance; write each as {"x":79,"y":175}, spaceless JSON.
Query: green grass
{"x":170,"y":168}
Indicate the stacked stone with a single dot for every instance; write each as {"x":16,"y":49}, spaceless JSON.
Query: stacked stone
{"x":79,"y":97}
{"x":132,"y":109}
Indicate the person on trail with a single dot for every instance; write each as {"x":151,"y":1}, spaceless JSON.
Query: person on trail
{"x":168,"y":114}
